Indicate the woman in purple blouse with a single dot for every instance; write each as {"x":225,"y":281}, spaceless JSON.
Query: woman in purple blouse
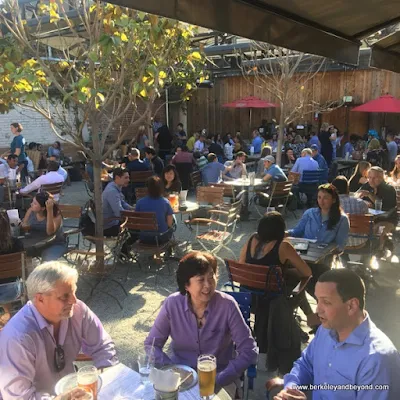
{"x":202,"y":320}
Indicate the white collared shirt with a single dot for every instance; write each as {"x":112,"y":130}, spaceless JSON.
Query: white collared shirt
{"x":50,"y":178}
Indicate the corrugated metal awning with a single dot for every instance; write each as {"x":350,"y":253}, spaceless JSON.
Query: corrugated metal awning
{"x":331,"y":29}
{"x":385,"y":53}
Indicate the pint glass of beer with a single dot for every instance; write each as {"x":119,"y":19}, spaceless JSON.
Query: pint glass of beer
{"x":87,"y":379}
{"x":207,"y":370}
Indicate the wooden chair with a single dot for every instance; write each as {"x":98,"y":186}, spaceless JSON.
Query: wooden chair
{"x":210,"y":195}
{"x":140,"y":192}
{"x":14,"y":266}
{"x":279,"y":196}
{"x":294,"y":177}
{"x":146,"y":223}
{"x":221,"y":229}
{"x":196,"y":179}
{"x":229,"y":191}
{"x":140,"y":176}
{"x":69,"y":212}
{"x":53,"y":188}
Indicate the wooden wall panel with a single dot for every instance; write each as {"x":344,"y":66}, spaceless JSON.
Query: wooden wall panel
{"x":205,"y":107}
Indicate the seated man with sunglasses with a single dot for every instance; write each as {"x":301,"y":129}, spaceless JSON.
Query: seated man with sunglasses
{"x":39,"y":344}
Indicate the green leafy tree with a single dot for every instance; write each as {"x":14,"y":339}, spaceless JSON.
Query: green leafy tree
{"x":106,"y":60}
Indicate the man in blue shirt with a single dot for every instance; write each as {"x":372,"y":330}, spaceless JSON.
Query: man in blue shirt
{"x":135,"y":164}
{"x":211,"y":173}
{"x":272,"y":171}
{"x":348,"y":348}
{"x":314,"y":141}
{"x":319,"y":158}
{"x":305,"y":163}
{"x":392,"y":149}
{"x":114,"y":201}
{"x":257,"y":141}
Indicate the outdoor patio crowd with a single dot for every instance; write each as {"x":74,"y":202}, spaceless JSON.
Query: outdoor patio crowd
{"x":211,"y":183}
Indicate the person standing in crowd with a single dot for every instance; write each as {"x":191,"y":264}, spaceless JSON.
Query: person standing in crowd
{"x":114,"y":202}
{"x":164,"y":140}
{"x":326,"y":143}
{"x":314,"y":141}
{"x":319,"y":158}
{"x":141,"y":139}
{"x":392,"y":149}
{"x":353,"y":349}
{"x":155,"y":161}
{"x":181,"y":135}
{"x":257,"y":141}
{"x":17,"y":147}
{"x":156,"y":124}
{"x":228,"y":148}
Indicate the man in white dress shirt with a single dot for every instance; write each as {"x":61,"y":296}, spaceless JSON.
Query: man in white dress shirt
{"x":51,"y":177}
{"x":60,"y":170}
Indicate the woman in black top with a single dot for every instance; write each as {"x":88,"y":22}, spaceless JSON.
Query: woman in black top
{"x":172,"y":183}
{"x":326,"y":143}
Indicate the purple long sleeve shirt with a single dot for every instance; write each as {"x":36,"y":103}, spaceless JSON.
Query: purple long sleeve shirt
{"x":224,"y":326}
{"x":27,"y":347}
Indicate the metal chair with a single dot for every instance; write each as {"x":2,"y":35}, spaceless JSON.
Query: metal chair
{"x":53,"y":188}
{"x":145,"y":223}
{"x":244,"y":301}
{"x":221,"y":229}
{"x":89,"y":186}
{"x":70,"y":212}
{"x":279,"y":196}
{"x":196,"y":179}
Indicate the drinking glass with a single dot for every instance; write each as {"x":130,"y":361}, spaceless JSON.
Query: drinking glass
{"x":146,"y":364}
{"x":378,"y":204}
{"x":87,"y":379}
{"x":207,"y":371}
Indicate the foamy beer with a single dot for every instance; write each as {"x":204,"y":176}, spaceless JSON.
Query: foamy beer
{"x":207,"y":370}
{"x":87,"y":379}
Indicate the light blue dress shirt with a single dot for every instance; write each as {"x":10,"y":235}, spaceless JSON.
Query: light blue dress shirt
{"x":113,"y":203}
{"x":311,"y":226}
{"x":366,"y":357}
{"x":306,"y":163}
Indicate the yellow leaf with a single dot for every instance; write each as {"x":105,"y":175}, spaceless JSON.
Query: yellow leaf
{"x":124,"y":38}
{"x":100,"y":96}
{"x":188,"y":86}
{"x":54,"y":17}
{"x":143,"y":93}
{"x":30,"y":63}
{"x":196,"y":55}
{"x":145,"y":78}
{"x":162,"y":75}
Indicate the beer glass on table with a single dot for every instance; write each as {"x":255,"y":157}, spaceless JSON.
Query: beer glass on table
{"x":87,"y":379}
{"x":207,"y":371}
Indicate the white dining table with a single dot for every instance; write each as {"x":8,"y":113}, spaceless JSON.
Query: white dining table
{"x":122,"y":383}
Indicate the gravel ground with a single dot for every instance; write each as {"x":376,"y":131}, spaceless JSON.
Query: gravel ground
{"x":130,"y":326}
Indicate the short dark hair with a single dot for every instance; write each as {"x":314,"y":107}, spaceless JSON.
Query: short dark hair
{"x":341,"y":184}
{"x":18,"y":126}
{"x":271,"y":227}
{"x":197,"y":154}
{"x":155,"y":187}
{"x":119,"y":172}
{"x":53,"y":166}
{"x":348,"y":284}
{"x":194,"y":264}
{"x":180,"y":124}
{"x":150,"y":150}
{"x":211,"y":157}
{"x":12,"y":157}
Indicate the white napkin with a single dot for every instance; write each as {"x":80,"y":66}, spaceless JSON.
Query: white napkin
{"x":165,"y":381}
{"x":13,"y":216}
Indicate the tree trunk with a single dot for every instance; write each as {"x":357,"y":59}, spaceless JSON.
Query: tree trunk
{"x":98,"y":189}
{"x":280,"y":134}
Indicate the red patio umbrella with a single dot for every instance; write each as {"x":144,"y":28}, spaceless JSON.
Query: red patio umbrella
{"x":250,"y":102}
{"x":383,"y":104}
